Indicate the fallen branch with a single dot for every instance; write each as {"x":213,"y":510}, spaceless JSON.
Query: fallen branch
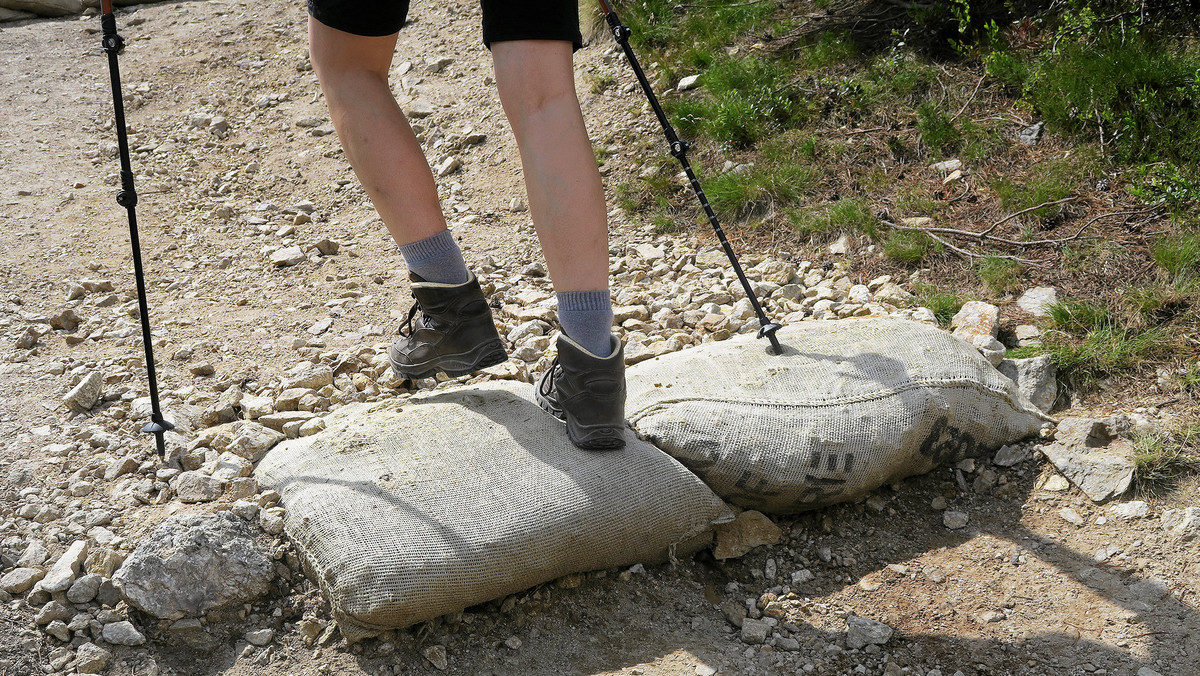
{"x":1077,"y":232}
{"x":722,"y":5}
{"x":958,"y":250}
{"x":1037,"y":242}
{"x":1025,"y":211}
{"x":965,"y":192}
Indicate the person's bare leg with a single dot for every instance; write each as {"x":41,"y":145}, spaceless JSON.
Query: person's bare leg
{"x":454,"y":333}
{"x":536,"y":80}
{"x":379,"y":143}
{"x":586,"y":388}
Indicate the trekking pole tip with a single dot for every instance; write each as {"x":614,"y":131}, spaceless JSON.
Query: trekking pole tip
{"x":157,"y":428}
{"x":769,"y":330}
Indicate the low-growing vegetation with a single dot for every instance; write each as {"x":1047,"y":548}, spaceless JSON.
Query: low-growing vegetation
{"x":1163,"y":457}
{"x":995,"y":146}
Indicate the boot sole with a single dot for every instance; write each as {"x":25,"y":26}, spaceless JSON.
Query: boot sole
{"x":597,"y":437}
{"x":593,"y":438}
{"x":486,"y":354}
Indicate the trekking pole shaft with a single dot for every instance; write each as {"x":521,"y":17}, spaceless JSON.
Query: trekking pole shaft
{"x":127,"y":197}
{"x":679,"y":151}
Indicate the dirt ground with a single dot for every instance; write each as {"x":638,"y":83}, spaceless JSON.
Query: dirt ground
{"x":1018,"y":591}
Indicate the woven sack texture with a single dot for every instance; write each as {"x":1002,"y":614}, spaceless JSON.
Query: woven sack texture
{"x":404,"y":511}
{"x":851,"y":405}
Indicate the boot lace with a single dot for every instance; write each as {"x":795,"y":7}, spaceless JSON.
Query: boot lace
{"x":406,"y":329}
{"x":546,"y":385}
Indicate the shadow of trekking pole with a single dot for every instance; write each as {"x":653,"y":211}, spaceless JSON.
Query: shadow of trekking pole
{"x":127,"y":197}
{"x":679,"y":150}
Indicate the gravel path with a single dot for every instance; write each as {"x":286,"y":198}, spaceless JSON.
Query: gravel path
{"x":267,"y":264}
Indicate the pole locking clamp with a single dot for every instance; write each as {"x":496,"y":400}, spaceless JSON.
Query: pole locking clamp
{"x":113,"y":43}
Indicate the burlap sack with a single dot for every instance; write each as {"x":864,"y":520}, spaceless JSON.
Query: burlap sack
{"x":46,"y":7}
{"x":850,"y":406}
{"x":405,"y":511}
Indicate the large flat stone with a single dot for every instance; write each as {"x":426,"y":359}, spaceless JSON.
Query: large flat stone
{"x":1084,"y":452}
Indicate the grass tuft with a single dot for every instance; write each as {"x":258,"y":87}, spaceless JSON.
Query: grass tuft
{"x":1000,"y":275}
{"x":1048,"y":182}
{"x":742,"y":194}
{"x":910,"y":246}
{"x":851,"y":216}
{"x":743,"y":101}
{"x":1079,"y":317}
{"x":1178,"y":255}
{"x":1161,"y":459}
{"x":938,"y":131}
{"x":944,"y":303}
{"x":1084,"y":363}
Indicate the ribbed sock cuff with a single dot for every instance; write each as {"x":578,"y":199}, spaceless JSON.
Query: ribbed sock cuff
{"x":436,"y":259}
{"x":587,"y":318}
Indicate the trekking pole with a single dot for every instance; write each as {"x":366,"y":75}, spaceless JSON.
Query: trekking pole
{"x":127,"y":197}
{"x":679,"y":150}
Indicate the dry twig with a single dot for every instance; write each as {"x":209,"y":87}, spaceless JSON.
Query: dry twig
{"x":970,"y":99}
{"x":958,"y":250}
{"x":864,"y":131}
{"x":1009,"y":217}
{"x":1037,"y":242}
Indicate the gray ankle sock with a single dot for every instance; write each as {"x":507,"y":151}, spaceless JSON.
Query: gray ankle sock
{"x":436,"y":259}
{"x":587,"y":319}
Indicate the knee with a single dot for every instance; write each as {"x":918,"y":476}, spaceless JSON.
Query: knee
{"x":338,"y":73}
{"x":533,"y":76}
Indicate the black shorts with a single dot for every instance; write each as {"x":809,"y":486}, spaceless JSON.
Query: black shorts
{"x":522,"y":20}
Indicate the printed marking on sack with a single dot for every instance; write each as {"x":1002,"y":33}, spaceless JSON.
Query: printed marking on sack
{"x":753,"y":486}
{"x":948,"y":444}
{"x":697,"y":454}
{"x":831,"y":461}
{"x":820,"y":489}
{"x":820,"y":486}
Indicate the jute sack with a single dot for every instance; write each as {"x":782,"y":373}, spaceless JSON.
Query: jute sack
{"x":45,"y":7}
{"x":404,"y":511}
{"x":849,"y":406}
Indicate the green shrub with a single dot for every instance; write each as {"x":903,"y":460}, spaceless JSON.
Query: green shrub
{"x":903,"y":76}
{"x":938,"y":131}
{"x":1166,"y":182}
{"x":1007,"y":68}
{"x":1138,"y":96}
{"x":830,"y":49}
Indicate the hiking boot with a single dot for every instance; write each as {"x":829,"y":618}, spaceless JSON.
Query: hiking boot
{"x":587,"y":393}
{"x":449,"y":329}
